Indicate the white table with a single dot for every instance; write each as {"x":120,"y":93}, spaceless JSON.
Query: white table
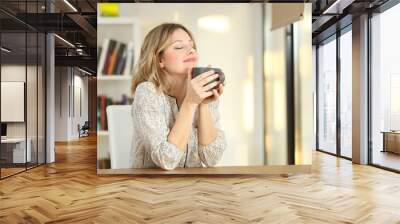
{"x":19,"y":149}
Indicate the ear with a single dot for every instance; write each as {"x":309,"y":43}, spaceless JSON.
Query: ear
{"x":161,"y":63}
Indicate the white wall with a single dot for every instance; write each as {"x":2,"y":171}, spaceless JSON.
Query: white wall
{"x":33,"y":127}
{"x":66,"y":101}
{"x":80,"y":84}
{"x":238,"y":51}
{"x":61,"y":103}
{"x":17,"y":73}
{"x":14,"y":73}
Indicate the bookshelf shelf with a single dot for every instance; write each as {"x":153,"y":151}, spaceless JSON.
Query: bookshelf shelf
{"x":116,"y":21}
{"x":114,"y":78}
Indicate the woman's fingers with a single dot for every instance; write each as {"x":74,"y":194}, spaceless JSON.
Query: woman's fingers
{"x":205,"y":78}
{"x":210,"y":86}
{"x":216,"y":94}
{"x":204,"y":85}
{"x":212,"y":96}
{"x":206,"y":94}
{"x":220,"y":89}
{"x":203,"y":75}
{"x":208,"y":79}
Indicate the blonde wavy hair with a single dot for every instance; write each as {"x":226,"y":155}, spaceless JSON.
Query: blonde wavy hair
{"x":154,"y":44}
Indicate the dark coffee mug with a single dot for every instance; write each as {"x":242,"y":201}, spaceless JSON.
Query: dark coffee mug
{"x":199,"y":70}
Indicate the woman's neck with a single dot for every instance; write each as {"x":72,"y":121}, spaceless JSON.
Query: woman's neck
{"x":178,"y":88}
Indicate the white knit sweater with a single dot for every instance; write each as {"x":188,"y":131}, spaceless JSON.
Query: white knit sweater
{"x":154,"y":114}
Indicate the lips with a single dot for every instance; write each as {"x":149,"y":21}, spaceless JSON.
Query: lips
{"x":190,"y":60}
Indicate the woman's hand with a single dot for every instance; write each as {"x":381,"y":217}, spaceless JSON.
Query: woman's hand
{"x":198,"y":90}
{"x":216,"y":94}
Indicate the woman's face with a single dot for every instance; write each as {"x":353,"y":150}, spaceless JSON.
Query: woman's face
{"x":179,"y":55}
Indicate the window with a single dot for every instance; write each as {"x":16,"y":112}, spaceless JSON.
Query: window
{"x":385,"y":89}
{"x":346,"y":94}
{"x":22,"y":75}
{"x":327,"y":97}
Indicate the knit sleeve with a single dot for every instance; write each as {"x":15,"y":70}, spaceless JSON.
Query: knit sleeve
{"x":152,"y":127}
{"x":211,"y":154}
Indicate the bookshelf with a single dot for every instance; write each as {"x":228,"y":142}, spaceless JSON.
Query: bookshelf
{"x":123,"y":31}
{"x":114,"y":78}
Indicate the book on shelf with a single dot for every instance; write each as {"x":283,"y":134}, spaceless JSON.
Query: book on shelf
{"x":102,"y":103}
{"x":119,"y":65}
{"x":99,"y":49}
{"x":116,"y":58}
{"x":130,"y":60}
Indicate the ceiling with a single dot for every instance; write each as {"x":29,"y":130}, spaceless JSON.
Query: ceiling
{"x":329,"y":16}
{"x":76,"y":23}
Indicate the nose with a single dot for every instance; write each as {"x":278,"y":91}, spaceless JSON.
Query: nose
{"x":191,"y":50}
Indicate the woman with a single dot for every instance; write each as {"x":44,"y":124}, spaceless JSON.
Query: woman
{"x":176,"y":120}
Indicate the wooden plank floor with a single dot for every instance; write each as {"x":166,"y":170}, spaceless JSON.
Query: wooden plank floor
{"x":69,"y":191}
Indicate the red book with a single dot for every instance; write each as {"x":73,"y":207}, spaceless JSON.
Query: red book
{"x":113,"y":60}
{"x":108,"y":59}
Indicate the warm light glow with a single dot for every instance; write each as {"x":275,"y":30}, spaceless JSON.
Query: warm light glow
{"x":214,"y":23}
{"x":274,"y":69}
{"x":248,"y":97}
{"x":250,"y":66}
